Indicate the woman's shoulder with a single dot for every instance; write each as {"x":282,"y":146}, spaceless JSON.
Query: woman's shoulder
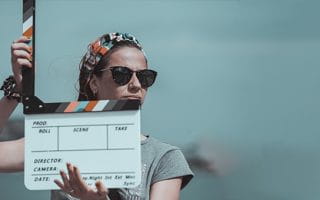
{"x":168,"y":161}
{"x":153,"y":147}
{"x":156,"y":144}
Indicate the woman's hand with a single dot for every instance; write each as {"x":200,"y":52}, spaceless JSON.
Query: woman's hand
{"x":76,"y":187}
{"x":21,"y":55}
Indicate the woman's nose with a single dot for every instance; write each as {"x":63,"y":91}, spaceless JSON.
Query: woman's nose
{"x":134,"y":83}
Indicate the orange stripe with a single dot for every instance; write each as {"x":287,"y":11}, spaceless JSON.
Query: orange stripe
{"x":71,"y":106}
{"x":103,"y":51}
{"x":96,"y":47}
{"x":90,"y":106}
{"x":28,"y":33}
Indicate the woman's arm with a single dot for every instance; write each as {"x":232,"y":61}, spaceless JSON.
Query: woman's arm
{"x":7,"y":107}
{"x":166,"y":189}
{"x":12,"y":152}
{"x":12,"y":155}
{"x":20,"y":56}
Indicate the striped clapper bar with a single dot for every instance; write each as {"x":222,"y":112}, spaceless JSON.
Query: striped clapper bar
{"x":102,"y":138}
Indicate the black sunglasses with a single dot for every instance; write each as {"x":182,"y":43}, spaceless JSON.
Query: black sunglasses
{"x":122,"y":75}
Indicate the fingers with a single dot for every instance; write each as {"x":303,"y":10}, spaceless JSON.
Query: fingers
{"x":61,"y":186}
{"x":24,"y":62}
{"x":101,"y":189}
{"x":65,"y":181}
{"x":72,"y":178}
{"x":21,"y":54}
{"x":79,"y":181}
{"x":22,"y":39}
{"x":21,"y":46}
{"x":65,"y":186}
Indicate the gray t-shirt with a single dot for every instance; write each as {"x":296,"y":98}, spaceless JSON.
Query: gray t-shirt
{"x":160,"y":161}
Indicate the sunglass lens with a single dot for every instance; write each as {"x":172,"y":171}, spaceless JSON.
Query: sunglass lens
{"x":121,"y":75}
{"x":146,"y":77}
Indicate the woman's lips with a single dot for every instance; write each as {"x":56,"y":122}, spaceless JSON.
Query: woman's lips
{"x":132,"y":97}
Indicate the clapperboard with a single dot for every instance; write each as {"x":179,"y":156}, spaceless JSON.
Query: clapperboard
{"x":102,"y":138}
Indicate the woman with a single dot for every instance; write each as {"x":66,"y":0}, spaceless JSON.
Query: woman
{"x":114,"y":67}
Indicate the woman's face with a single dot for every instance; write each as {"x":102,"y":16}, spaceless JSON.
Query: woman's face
{"x":106,"y":88}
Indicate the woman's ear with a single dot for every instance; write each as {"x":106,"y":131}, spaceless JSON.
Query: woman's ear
{"x":94,"y":85}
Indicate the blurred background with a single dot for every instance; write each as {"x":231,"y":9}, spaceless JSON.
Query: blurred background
{"x":237,"y":91}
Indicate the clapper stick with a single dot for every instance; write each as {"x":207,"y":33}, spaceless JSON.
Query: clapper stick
{"x":28,"y":74}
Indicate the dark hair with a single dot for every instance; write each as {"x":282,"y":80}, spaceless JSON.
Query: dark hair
{"x":85,"y":75}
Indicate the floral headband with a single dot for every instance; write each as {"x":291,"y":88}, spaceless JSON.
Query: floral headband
{"x":98,"y":48}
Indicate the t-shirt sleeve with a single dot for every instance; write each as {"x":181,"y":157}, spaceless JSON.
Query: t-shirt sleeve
{"x":172,"y":165}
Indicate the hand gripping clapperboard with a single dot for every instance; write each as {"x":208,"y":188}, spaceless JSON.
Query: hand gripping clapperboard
{"x":102,"y":137}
